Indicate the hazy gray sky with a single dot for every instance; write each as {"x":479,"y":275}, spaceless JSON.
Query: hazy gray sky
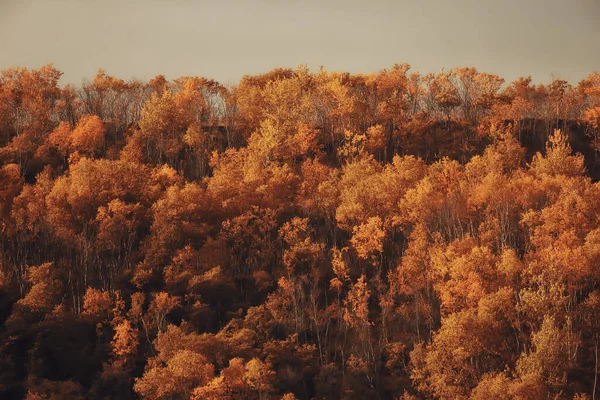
{"x":229,"y":38}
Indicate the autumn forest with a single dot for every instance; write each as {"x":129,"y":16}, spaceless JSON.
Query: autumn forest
{"x":302,"y":234}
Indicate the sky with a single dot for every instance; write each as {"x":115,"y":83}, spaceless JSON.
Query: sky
{"x":226,"y":39}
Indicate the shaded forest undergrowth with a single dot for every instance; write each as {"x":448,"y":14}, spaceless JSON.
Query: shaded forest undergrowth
{"x":303,"y":234}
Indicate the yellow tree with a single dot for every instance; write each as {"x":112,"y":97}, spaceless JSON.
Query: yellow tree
{"x":88,"y":135}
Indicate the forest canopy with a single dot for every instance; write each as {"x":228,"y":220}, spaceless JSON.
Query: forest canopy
{"x":299,"y":235}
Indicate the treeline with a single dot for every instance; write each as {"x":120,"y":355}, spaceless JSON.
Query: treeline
{"x":299,"y":235}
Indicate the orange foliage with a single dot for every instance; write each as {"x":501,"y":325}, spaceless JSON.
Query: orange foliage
{"x":301,"y":234}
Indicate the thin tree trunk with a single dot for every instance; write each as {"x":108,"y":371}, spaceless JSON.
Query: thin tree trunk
{"x":595,"y":370}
